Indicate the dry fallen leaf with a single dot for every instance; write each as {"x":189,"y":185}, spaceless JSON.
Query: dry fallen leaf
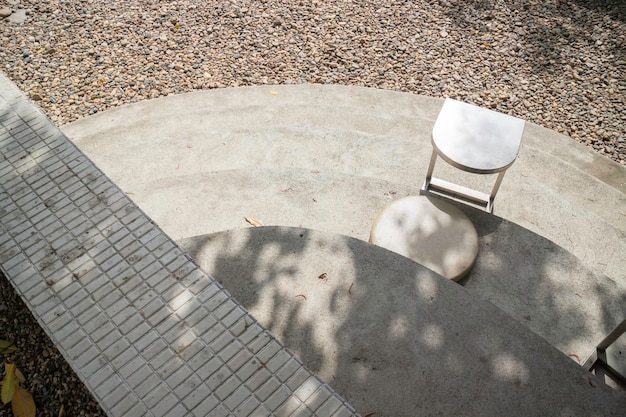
{"x":7,"y":347}
{"x":254,"y":221}
{"x":323,"y":276}
{"x":590,"y":381}
{"x":573,"y":355}
{"x":274,"y":93}
{"x":19,"y":375}
{"x":10,"y":383}
{"x":23,"y":404}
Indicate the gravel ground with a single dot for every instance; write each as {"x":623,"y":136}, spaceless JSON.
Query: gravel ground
{"x":560,"y":64}
{"x":49,"y":378}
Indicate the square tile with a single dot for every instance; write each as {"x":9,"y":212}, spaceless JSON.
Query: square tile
{"x":187,"y":385}
{"x":199,"y":394}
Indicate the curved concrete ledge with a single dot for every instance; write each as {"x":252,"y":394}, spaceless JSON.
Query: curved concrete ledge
{"x":331,"y":157}
{"x":533,"y":279}
{"x":394,"y":337}
{"x":362,"y":132}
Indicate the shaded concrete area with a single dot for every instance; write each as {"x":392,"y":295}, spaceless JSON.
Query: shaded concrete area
{"x":531,"y":278}
{"x":393,"y":337}
{"x":543,"y":286}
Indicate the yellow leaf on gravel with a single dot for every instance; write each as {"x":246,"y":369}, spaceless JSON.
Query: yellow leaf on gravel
{"x":274,"y":93}
{"x":254,"y":221}
{"x":7,"y":347}
{"x":23,"y":404}
{"x":19,"y":375}
{"x":9,"y":383}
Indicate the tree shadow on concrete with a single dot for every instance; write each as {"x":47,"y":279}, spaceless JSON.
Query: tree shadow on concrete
{"x":397,"y":339}
{"x":543,"y":285}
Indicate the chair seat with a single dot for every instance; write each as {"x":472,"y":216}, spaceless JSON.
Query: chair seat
{"x":430,"y":231}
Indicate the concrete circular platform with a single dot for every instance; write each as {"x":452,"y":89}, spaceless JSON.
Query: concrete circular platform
{"x":331,"y":157}
{"x":163,"y":149}
{"x":430,"y":231}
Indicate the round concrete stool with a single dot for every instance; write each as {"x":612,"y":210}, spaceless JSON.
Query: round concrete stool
{"x":431,"y":231}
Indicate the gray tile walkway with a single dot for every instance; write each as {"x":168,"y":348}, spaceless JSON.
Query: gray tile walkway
{"x":147,"y":331}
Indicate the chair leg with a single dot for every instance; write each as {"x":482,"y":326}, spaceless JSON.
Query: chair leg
{"x":431,"y":168}
{"x":598,"y":362}
{"x":494,"y":191}
{"x":613,"y":336}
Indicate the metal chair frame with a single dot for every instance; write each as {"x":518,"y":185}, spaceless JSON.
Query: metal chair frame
{"x":608,"y":365}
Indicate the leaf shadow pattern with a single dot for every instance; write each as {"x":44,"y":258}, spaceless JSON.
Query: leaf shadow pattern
{"x":543,"y":285}
{"x":397,"y":339}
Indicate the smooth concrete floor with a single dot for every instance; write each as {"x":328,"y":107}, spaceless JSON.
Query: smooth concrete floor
{"x":329,"y":158}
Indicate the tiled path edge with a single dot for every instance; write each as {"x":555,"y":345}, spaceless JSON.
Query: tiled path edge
{"x":144,"y":328}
